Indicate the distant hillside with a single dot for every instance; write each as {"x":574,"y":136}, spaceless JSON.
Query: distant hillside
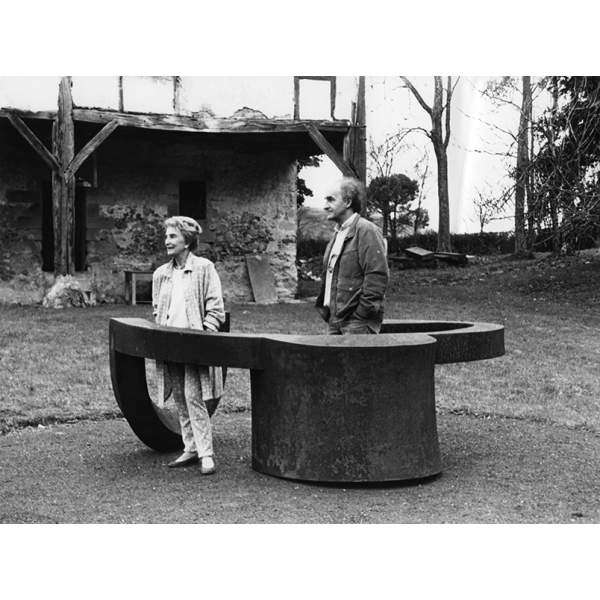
{"x":313,"y":224}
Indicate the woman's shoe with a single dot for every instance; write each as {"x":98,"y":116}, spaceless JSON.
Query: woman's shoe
{"x":207,"y":465}
{"x":187,"y":458}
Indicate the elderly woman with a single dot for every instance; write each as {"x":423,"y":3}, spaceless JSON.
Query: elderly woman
{"x":186,"y":292}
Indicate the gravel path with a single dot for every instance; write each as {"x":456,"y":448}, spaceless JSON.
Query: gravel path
{"x":496,"y":470}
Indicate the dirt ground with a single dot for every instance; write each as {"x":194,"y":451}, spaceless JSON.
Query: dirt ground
{"x":495,"y":470}
{"x":519,"y":435}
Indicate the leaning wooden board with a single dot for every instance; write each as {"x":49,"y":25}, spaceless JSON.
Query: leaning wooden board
{"x":262,"y":280}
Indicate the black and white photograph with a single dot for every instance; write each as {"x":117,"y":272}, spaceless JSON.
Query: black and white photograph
{"x":257,"y":297}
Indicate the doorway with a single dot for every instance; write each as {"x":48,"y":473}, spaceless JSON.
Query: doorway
{"x":79,"y":233}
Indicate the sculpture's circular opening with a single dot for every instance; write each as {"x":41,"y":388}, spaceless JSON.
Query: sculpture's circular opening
{"x":167,"y":413}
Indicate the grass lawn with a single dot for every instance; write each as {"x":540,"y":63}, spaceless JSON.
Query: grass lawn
{"x":55,"y":363}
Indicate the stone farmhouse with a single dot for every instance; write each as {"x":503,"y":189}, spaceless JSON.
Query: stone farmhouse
{"x":84,"y":190}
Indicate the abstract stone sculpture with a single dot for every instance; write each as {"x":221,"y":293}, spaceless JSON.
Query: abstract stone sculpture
{"x":324,"y":408}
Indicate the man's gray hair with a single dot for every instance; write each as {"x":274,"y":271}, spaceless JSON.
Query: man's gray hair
{"x":352,"y":189}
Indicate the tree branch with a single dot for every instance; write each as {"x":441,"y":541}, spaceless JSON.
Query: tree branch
{"x":488,"y":123}
{"x":421,"y":129}
{"x":416,"y":94}
{"x":449,"y":91}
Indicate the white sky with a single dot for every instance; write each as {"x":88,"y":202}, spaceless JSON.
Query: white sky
{"x":474,"y":162}
{"x":390,"y":107}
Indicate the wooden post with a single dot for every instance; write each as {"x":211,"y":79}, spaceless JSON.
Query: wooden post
{"x":360,"y":150}
{"x":63,"y":187}
{"x":56,"y":204}
{"x":121,"y":106}
{"x":332,"y":94}
{"x":332,"y":79}
{"x":355,"y":145}
{"x":64,"y":165}
{"x":176,"y":94}
{"x":296,"y":97}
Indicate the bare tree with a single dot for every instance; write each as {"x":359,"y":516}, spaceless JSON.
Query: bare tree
{"x":520,"y":152}
{"x":439,"y":112}
{"x":382,"y":156}
{"x":381,"y":164}
{"x":521,"y":174}
{"x":567,"y":165}
{"x":488,"y":206}
{"x":422,"y":170}
{"x":553,"y":204}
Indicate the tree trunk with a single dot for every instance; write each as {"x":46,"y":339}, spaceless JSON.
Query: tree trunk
{"x":553,"y":191}
{"x":443,"y":244}
{"x":418,"y":214}
{"x":418,"y":219}
{"x":439,"y":147}
{"x":440,"y":136}
{"x":393,"y":224}
{"x":521,"y":174}
{"x":532,"y":216}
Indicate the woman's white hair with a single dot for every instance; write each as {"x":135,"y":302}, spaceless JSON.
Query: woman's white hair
{"x":190,"y":230}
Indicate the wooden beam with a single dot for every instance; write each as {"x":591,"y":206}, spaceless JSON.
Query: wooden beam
{"x":355,"y":143}
{"x":296,"y":97}
{"x":359,"y":157}
{"x":361,"y":113}
{"x":92,"y":145}
{"x":331,"y":152}
{"x":28,"y":114}
{"x":332,"y":92}
{"x":332,"y":95}
{"x":33,"y":141}
{"x":169,"y":122}
{"x":185,"y":123}
{"x":56,"y":204}
{"x":121,"y":104}
{"x":63,"y":189}
{"x":176,"y":94}
{"x":317,"y":77}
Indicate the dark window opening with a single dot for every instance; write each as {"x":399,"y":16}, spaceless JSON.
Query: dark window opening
{"x":47,"y":228}
{"x":80,"y":233}
{"x":80,"y":229}
{"x":192,"y":199}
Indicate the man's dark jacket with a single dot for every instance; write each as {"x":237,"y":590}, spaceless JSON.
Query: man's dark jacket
{"x":360,"y":276}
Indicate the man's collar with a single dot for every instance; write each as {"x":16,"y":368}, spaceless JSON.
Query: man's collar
{"x":347,"y":223}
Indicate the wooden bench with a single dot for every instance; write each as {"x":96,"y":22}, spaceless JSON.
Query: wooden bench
{"x":324,"y":408}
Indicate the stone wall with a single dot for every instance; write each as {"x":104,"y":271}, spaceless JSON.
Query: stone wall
{"x":22,"y":280}
{"x":251,"y":209}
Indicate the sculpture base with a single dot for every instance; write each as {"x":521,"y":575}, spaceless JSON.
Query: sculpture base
{"x":333,"y":412}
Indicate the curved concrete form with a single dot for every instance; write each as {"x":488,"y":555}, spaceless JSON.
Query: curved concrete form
{"x":324,"y":408}
{"x":457,"y":341}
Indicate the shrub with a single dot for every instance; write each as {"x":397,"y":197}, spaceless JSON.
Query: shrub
{"x":465,"y":243}
{"x":310,"y":248}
